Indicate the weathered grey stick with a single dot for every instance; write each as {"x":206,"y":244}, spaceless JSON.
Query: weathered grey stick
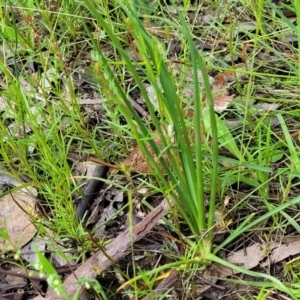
{"x":100,"y":262}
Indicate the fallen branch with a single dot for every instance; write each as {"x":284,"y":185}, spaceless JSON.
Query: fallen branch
{"x":116,"y":250}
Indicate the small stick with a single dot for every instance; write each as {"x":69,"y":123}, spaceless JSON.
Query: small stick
{"x":103,"y":163}
{"x":30,"y":274}
{"x":139,"y":108}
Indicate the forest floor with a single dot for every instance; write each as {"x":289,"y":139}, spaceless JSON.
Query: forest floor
{"x":87,"y":211}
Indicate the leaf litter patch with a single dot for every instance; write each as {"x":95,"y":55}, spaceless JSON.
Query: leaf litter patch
{"x":223,"y":99}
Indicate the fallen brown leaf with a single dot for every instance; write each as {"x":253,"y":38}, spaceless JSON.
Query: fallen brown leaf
{"x":136,"y":162}
{"x":251,"y":257}
{"x":15,"y":212}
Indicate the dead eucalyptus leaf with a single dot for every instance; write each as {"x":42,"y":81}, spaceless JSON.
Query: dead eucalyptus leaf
{"x":15,"y":212}
{"x":251,"y":257}
{"x":136,"y":162}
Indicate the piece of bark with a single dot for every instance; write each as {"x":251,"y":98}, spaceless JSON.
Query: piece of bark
{"x":116,"y":250}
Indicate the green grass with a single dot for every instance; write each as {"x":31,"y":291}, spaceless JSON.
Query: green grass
{"x":203,"y":158}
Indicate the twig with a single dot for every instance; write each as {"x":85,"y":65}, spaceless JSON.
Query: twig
{"x":30,"y":274}
{"x":103,"y":163}
{"x":139,"y":108}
